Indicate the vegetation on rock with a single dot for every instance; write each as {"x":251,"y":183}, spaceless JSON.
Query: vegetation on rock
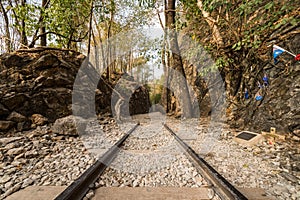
{"x":237,"y":34}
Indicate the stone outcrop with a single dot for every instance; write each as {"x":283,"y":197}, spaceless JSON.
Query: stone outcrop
{"x":279,"y":107}
{"x":124,"y":85}
{"x":70,"y":125}
{"x":38,"y":82}
{"x":36,"y":87}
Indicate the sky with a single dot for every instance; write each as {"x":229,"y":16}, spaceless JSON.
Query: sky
{"x":153,"y":32}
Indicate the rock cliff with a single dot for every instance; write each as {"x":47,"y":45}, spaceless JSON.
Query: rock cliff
{"x":279,"y":106}
{"x":39,"y":82}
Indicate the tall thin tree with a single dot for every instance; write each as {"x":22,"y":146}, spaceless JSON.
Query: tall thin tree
{"x":24,"y":40}
{"x":7,"y":32}
{"x":177,"y":75}
{"x":43,"y":27}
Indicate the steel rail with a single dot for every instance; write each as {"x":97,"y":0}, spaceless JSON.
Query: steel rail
{"x":80,"y":186}
{"x":223,"y":186}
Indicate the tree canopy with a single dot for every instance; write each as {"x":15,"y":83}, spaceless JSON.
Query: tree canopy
{"x":234,"y":32}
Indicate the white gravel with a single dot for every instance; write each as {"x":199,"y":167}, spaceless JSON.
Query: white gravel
{"x":149,"y":158}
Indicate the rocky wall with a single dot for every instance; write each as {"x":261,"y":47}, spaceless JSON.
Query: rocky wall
{"x":36,"y":86}
{"x":279,"y":107}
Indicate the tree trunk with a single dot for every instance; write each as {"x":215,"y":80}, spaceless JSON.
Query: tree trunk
{"x":24,"y":40}
{"x":108,"y":58}
{"x":90,"y":29}
{"x":212,"y":24}
{"x":177,"y":76}
{"x":165,"y":98}
{"x":7,"y":33}
{"x":102,"y":50}
{"x":43,"y":28}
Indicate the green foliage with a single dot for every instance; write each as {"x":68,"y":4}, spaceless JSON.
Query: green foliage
{"x":156,"y":91}
{"x":244,"y":25}
{"x":30,"y":14}
{"x":223,"y":62}
{"x":69,"y":18}
{"x":191,"y":6}
{"x":212,"y":67}
{"x":212,"y":5}
{"x":155,"y":98}
{"x":65,"y":19}
{"x":147,"y":3}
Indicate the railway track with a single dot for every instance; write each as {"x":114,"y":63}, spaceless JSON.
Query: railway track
{"x":215,"y":181}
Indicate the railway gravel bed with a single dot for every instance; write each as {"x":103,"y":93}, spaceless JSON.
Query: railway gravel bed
{"x":150,"y":157}
{"x":179,"y":173}
{"x":40,"y":157}
{"x":273,"y":166}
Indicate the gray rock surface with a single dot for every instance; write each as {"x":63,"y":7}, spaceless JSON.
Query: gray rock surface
{"x":70,"y":125}
{"x":279,"y":107}
{"x":38,"y":84}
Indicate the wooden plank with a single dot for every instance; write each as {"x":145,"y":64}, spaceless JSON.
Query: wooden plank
{"x":37,"y":193}
{"x":255,"y":193}
{"x":151,"y":193}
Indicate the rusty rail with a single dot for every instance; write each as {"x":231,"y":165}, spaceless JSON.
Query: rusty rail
{"x":220,"y":185}
{"x":79,"y":188}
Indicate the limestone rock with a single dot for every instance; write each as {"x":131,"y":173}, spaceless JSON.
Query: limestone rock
{"x":15,"y":151}
{"x":279,"y":107}
{"x":14,"y":59}
{"x":70,"y":125}
{"x":42,"y":81}
{"x":31,"y":154}
{"x":23,"y":126}
{"x":42,"y":86}
{"x":47,"y":60}
{"x":6,"y":125}
{"x":5,"y":179}
{"x":7,"y":140}
{"x":38,"y":119}
{"x":16,"y":117}
{"x":297,"y":132}
{"x":14,"y":100}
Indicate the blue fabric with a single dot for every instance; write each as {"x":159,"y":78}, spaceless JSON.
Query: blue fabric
{"x":258,"y":98}
{"x":266,"y":80}
{"x":276,"y":53}
{"x":246,"y":95}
